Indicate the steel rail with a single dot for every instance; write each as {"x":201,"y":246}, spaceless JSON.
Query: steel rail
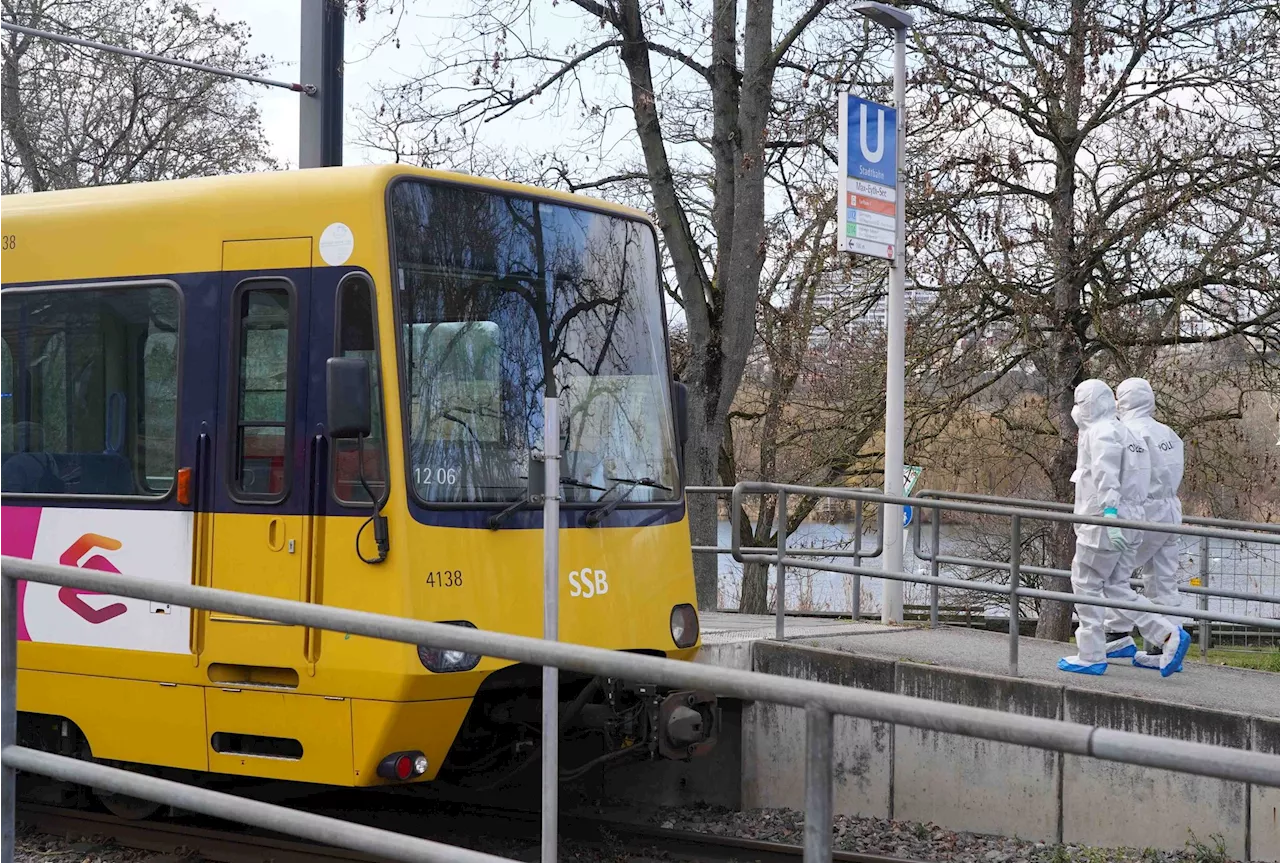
{"x":169,"y":837}
{"x":1202,"y":759}
{"x":318,"y":828}
{"x":163,"y":836}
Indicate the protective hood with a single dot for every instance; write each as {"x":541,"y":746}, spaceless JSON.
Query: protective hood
{"x":1094,"y":403}
{"x":1134,"y":399}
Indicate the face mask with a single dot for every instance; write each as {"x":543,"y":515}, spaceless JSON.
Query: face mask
{"x":1077,"y":413}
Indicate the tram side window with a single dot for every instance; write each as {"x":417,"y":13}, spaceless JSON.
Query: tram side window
{"x":358,"y":337}
{"x":262,"y":404}
{"x":6,"y":398}
{"x":86,"y":410}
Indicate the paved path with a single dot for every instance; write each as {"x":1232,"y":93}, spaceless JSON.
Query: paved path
{"x":1212,"y":686}
{"x":721,"y":628}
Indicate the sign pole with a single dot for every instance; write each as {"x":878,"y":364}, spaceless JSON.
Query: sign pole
{"x":874,"y":217}
{"x":551,"y":622}
{"x":895,"y":383}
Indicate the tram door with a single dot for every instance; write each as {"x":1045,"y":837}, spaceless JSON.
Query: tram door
{"x":261,"y":526}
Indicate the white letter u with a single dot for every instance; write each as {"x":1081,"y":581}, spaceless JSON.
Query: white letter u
{"x":862,"y":133}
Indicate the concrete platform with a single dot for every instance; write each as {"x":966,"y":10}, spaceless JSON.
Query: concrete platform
{"x":727,"y":638}
{"x":1216,"y":687}
{"x":897,"y":771}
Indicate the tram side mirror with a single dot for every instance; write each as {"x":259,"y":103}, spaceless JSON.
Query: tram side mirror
{"x":347,"y":396}
{"x":680,"y":404}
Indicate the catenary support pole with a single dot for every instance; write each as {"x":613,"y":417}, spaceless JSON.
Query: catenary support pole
{"x":320,"y":119}
{"x":550,"y":622}
{"x":895,"y":371}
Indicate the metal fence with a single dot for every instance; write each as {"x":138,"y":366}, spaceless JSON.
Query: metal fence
{"x":820,"y":701}
{"x":1017,"y":512}
{"x":1212,"y":568}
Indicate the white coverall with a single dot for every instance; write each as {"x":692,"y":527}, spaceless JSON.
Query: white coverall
{"x":1112,"y":472}
{"x":1158,"y":552}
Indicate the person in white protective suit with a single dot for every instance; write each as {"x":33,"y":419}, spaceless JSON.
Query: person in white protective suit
{"x":1111,"y":478}
{"x":1158,"y":552}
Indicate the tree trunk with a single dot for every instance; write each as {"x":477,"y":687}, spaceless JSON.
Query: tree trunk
{"x":701,"y":467}
{"x":755,"y":589}
{"x":1065,"y":348}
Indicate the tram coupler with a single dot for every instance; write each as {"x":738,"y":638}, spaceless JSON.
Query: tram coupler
{"x":688,"y":724}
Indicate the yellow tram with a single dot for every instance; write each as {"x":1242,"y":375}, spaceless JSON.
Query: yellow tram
{"x":167,"y":349}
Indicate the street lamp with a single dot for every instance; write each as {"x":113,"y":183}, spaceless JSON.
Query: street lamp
{"x":894,"y":415}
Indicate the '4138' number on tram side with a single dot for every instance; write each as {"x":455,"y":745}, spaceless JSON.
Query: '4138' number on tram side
{"x":445,"y":578}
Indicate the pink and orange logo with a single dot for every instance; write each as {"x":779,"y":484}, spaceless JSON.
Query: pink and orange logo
{"x":71,"y":596}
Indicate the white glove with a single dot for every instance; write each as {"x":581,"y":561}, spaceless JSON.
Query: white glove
{"x":1115,"y":534}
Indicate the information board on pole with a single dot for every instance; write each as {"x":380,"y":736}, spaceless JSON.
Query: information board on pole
{"x":910,"y":476}
{"x":867,"y":204}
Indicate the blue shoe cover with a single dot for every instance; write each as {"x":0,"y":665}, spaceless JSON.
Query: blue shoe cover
{"x":1184,"y":644}
{"x":1151,"y":662}
{"x":1126,"y":649}
{"x":1077,"y":668}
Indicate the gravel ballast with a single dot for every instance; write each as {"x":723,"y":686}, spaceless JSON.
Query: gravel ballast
{"x":913,"y":840}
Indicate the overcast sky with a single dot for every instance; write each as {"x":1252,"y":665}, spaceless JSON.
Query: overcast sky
{"x":274,"y":27}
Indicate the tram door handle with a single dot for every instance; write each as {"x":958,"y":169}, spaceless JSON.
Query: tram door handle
{"x":276,"y":535}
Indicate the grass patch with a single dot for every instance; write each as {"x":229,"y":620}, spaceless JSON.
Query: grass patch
{"x":1261,"y":659}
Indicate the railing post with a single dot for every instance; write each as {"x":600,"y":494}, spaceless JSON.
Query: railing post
{"x":1204,"y":597}
{"x":817,"y":785}
{"x":1015,"y":576}
{"x":935,"y":536}
{"x":855,"y":601}
{"x":781,"y":590}
{"x":9,"y":710}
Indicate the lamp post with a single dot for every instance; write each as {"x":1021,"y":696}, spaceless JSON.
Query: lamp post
{"x":894,"y":416}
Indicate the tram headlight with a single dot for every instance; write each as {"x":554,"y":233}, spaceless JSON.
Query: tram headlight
{"x":684,"y":625}
{"x":440,"y":661}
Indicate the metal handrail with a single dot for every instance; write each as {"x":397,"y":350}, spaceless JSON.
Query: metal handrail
{"x":1014,"y":589}
{"x":1203,"y":591}
{"x":857,"y":552}
{"x":821,"y":701}
{"x":1032,"y":503}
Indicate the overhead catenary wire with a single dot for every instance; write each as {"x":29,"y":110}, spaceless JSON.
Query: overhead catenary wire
{"x":305,"y":89}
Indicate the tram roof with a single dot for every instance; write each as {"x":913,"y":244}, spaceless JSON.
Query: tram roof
{"x":180,"y":226}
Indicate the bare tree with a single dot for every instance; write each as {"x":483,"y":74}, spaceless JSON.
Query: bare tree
{"x":1104,"y":189}
{"x":76,"y":116}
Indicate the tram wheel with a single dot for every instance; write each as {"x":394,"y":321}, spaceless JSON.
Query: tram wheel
{"x":126,"y":807}
{"x":123,"y":805}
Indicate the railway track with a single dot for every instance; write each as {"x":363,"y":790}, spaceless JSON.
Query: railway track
{"x":518,"y":829}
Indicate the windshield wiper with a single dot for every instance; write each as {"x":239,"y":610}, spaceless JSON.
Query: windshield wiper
{"x":496,"y":520}
{"x":600,"y":513}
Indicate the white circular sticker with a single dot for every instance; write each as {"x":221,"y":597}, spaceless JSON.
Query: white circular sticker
{"x":336,"y":244}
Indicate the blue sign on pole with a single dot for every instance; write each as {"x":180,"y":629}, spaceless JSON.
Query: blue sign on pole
{"x":868,"y":202}
{"x":871,"y":142}
{"x":906,"y":516}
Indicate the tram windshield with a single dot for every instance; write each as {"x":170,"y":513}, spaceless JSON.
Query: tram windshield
{"x":493,"y":290}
